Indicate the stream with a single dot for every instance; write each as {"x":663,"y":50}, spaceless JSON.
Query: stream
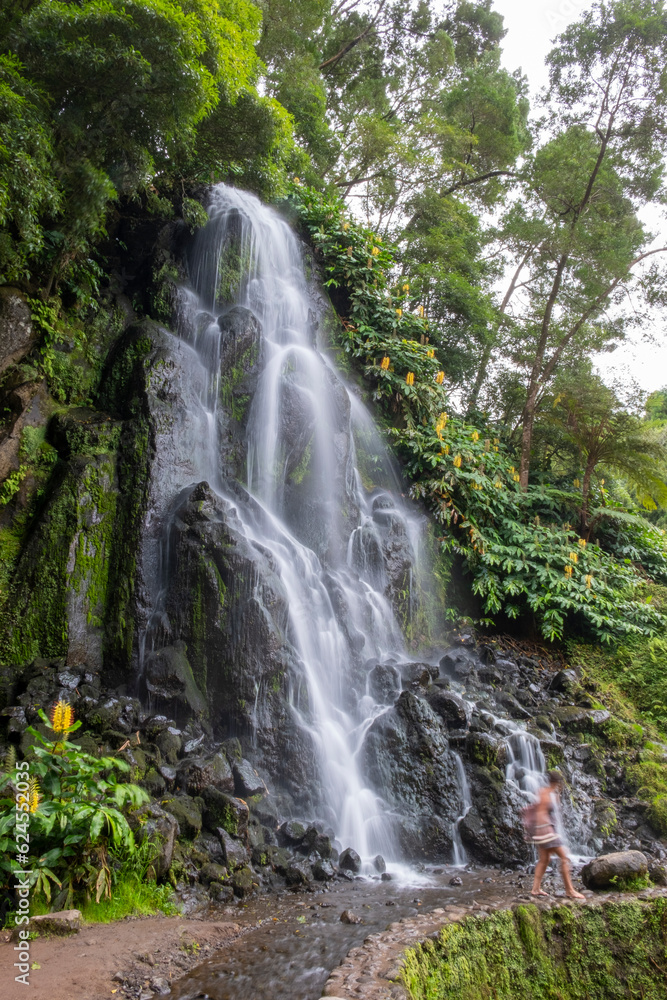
{"x":293,"y":942}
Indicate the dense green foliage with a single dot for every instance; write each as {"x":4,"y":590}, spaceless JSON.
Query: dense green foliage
{"x":75,"y":804}
{"x":518,"y":545}
{"x":615,"y":951}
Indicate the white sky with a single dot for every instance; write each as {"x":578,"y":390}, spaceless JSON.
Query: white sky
{"x":531,"y":27}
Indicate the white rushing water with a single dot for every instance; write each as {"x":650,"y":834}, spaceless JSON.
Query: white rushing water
{"x":318,"y":550}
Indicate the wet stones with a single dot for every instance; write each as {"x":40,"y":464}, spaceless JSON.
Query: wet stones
{"x":350,"y":861}
{"x":348,"y":917}
{"x":450,"y":707}
{"x":379,"y":864}
{"x":599,"y":873}
{"x":234,"y":854}
{"x":200,"y":773}
{"x":573,"y":719}
{"x":291,"y":834}
{"x":246,"y":779}
{"x":384,"y":683}
{"x":222,"y":810}
{"x":457,"y":663}
{"x":157,"y":827}
{"x":323,"y":870}
{"x":187,"y":813}
{"x":299,"y":873}
{"x":416,"y":675}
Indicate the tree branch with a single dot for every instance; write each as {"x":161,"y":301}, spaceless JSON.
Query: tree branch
{"x":333,"y":60}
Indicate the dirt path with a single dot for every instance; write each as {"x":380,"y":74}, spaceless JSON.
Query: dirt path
{"x":147,"y":952}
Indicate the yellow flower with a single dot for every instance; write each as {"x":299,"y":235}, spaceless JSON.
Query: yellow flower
{"x":369,"y":262}
{"x":384,"y":364}
{"x":440,"y":377}
{"x":349,"y":251}
{"x":574,"y":557}
{"x":399,"y":313}
{"x":406,"y":288}
{"x":487,"y":444}
{"x":496,"y":440}
{"x":602,"y":482}
{"x":457,"y":461}
{"x":34,"y":794}
{"x":296,"y":180}
{"x":589,"y":580}
{"x":576,"y":484}
{"x":512,"y":469}
{"x":420,"y":311}
{"x":62,"y":716}
{"x":430,"y":353}
{"x":441,"y":424}
{"x":346,"y":226}
{"x":446,"y":449}
{"x":568,"y":571}
{"x":582,"y":543}
{"x":410,"y":378}
{"x":475,"y":436}
{"x":516,"y":477}
{"x":375,"y":251}
{"x":498,"y":484}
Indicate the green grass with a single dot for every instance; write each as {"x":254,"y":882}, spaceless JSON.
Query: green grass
{"x":131,"y":898}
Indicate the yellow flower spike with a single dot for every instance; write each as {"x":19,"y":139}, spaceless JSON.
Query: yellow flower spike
{"x":399,"y":313}
{"x":516,"y":477}
{"x":384,"y":364}
{"x":568,"y":571}
{"x":487,"y":444}
{"x":375,"y":251}
{"x":406,"y":288}
{"x":576,"y":484}
{"x":446,"y":449}
{"x":440,"y":378}
{"x":512,"y":469}
{"x":346,"y":226}
{"x":475,"y":436}
{"x":582,"y":543}
{"x":495,"y":447}
{"x":34,"y":795}
{"x":457,"y":461}
{"x":496,"y":440}
{"x":602,"y":482}
{"x":430,"y":353}
{"x":574,"y":557}
{"x":62,"y":716}
{"x":410,"y":378}
{"x":349,"y":251}
{"x":589,"y":580}
{"x":420,"y":312}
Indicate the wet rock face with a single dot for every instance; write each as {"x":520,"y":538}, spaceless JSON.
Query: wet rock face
{"x":408,"y":761}
{"x":16,"y":330}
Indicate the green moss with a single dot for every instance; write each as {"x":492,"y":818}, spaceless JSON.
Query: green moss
{"x":612,"y":951}
{"x":299,"y":473}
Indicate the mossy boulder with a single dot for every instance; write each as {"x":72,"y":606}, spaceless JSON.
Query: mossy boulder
{"x":187,"y":814}
{"x":222,"y":810}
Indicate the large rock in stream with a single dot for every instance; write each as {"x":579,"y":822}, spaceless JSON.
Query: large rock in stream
{"x":610,"y":869}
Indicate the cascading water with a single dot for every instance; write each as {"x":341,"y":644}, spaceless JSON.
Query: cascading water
{"x":305,"y":501}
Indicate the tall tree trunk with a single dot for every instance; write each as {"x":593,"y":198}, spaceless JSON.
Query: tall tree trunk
{"x":585,"y":493}
{"x":527,"y":420}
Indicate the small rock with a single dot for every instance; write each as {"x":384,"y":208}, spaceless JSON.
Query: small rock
{"x":299,"y":873}
{"x":64,"y":922}
{"x":292,"y":833}
{"x":379,"y":864}
{"x":161,"y":986}
{"x":456,"y":880}
{"x":246,"y":780}
{"x":657,"y":873}
{"x":386,"y":877}
{"x":348,"y":917}
{"x":234,"y":853}
{"x":323,"y":870}
{"x":350,"y":861}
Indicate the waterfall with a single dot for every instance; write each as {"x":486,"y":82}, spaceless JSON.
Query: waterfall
{"x":460,"y":854}
{"x":304,"y":499}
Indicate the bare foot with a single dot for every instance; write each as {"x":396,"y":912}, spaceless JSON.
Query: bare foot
{"x":575,"y":895}
{"x":541,"y":892}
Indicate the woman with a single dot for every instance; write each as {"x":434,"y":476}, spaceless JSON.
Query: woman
{"x":546,"y":839}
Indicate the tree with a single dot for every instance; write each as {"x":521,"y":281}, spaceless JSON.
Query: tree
{"x":603,"y":435}
{"x":575,"y":238}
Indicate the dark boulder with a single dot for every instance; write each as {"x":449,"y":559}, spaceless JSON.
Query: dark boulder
{"x":16,"y":329}
{"x":225,"y":811}
{"x":291,"y":834}
{"x":450,"y":707}
{"x":379,"y":864}
{"x":350,"y":861}
{"x":187,"y":814}
{"x":322,"y":870}
{"x":457,"y":663}
{"x":573,"y":719}
{"x":299,"y":873}
{"x":246,"y":779}
{"x":198,"y":774}
{"x":608,"y":869}
{"x":384,"y":683}
{"x":243,"y":882}
{"x":155,"y":826}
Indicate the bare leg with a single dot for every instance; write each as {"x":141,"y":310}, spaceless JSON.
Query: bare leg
{"x":565,"y":872}
{"x":540,"y":868}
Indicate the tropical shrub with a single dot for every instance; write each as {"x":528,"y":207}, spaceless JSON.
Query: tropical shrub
{"x":76,"y":804}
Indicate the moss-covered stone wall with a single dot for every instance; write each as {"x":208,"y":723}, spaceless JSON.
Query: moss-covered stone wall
{"x":594,"y":952}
